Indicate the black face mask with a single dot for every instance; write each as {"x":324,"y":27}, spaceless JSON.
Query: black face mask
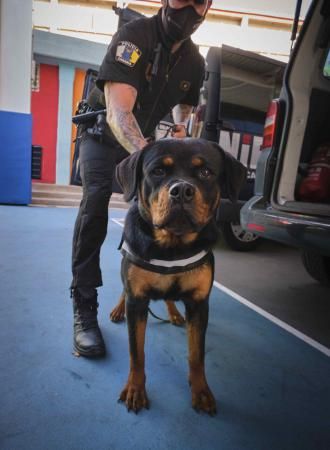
{"x":180,"y":24}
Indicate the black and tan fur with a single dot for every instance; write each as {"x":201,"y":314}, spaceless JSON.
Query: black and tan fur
{"x":178,"y":184}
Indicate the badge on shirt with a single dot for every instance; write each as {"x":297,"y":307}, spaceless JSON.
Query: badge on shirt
{"x":127,"y":53}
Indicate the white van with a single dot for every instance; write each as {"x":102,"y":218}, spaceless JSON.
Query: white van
{"x":291,"y":200}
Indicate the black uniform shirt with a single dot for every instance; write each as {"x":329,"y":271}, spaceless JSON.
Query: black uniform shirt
{"x":130,"y":58}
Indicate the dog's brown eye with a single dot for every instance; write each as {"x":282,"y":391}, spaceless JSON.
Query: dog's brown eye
{"x":158,"y":171}
{"x":205,"y":172}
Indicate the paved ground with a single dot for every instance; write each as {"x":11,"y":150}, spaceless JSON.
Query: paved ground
{"x":272,"y":389}
{"x":273,"y":278}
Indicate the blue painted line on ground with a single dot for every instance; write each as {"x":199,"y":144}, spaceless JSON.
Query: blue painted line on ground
{"x":273,"y":391}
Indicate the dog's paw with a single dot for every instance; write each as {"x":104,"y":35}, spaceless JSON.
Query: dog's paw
{"x":117,"y":314}
{"x":203,"y":400}
{"x":135,"y":398}
{"x":174,"y":314}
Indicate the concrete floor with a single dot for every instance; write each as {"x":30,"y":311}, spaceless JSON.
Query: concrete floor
{"x":273,"y":278}
{"x":273,"y":390}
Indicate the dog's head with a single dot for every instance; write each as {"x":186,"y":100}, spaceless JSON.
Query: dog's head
{"x":179,"y":182}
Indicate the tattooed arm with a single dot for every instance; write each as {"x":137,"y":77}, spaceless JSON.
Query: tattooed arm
{"x":120,"y":100}
{"x":181,"y":115}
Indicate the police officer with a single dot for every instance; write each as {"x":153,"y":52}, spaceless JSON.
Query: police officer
{"x":151,"y":68}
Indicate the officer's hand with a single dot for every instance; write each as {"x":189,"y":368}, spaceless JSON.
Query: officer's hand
{"x":179,"y":131}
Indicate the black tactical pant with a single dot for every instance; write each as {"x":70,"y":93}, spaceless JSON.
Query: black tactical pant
{"x":97,"y":166}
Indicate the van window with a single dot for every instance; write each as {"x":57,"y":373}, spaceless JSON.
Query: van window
{"x":248,"y":84}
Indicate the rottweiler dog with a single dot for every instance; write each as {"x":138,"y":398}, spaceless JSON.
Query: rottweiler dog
{"x":167,"y":245}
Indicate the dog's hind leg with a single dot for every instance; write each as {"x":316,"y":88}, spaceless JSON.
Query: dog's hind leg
{"x":118,"y":312}
{"x":174,"y":314}
{"x":197,"y":319}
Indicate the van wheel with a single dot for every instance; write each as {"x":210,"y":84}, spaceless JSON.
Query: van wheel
{"x":237,"y":238}
{"x":317,"y":266}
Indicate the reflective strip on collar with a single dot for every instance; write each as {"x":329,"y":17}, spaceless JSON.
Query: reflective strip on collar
{"x":166,"y":263}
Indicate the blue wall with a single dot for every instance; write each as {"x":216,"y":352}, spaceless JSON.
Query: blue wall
{"x":15,"y":157}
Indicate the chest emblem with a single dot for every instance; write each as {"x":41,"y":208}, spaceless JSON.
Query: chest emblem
{"x":127,"y":53}
{"x":185,"y":86}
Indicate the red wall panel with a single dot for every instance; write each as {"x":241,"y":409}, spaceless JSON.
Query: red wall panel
{"x":44,"y":108}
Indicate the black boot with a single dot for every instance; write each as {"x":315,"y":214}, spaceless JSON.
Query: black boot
{"x":87,"y":337}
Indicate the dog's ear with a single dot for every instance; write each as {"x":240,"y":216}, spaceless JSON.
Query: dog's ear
{"x":232,"y":177}
{"x":128,"y":172}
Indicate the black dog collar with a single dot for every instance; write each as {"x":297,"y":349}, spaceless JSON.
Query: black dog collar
{"x":165,"y":266}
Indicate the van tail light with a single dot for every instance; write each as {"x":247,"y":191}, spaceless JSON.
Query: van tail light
{"x":270,"y":125}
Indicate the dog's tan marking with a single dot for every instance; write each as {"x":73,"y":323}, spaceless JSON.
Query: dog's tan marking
{"x":118,"y":312}
{"x":168,"y":161}
{"x":134,"y":394}
{"x":174,"y":314}
{"x":197,"y":162}
{"x":188,"y":238}
{"x":167,"y":239}
{"x":202,"y":209}
{"x":159,"y":208}
{"x":199,"y":281}
{"x":142,"y":280}
{"x":202,"y":397}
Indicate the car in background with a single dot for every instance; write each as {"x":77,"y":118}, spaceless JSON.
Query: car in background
{"x":291,"y":201}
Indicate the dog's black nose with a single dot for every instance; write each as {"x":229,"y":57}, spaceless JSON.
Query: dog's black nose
{"x":182,"y":191}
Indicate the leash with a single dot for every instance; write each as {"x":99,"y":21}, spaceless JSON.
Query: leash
{"x":158,"y":318}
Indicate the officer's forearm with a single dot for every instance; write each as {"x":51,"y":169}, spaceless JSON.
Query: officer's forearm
{"x":126,"y":130}
{"x":120,"y":99}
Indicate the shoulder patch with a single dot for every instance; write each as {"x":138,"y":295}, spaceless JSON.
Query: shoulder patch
{"x":127,"y":53}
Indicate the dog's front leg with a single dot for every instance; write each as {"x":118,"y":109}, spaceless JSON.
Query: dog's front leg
{"x":197,"y":319}
{"x":134,"y":393}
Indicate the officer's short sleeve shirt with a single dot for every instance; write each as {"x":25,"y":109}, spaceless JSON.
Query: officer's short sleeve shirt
{"x":130,"y":59}
{"x":127,"y":55}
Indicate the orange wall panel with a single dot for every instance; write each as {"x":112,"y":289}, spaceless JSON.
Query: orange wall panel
{"x":78,"y":87}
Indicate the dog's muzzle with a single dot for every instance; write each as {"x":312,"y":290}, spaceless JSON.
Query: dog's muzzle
{"x":180,"y":215}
